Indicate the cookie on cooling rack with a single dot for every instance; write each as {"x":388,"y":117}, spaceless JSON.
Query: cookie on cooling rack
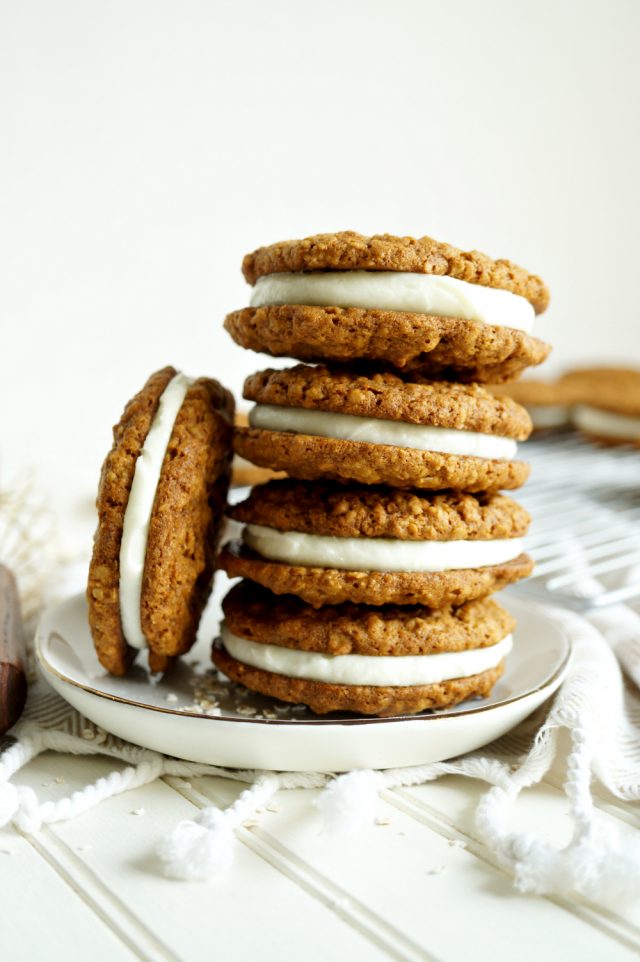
{"x":606,"y":403}
{"x":329,"y":543}
{"x":315,"y":423}
{"x":374,"y":661}
{"x":417,"y":305}
{"x":161,"y":500}
{"x":547,"y":402}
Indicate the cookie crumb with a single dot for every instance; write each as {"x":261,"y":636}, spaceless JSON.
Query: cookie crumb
{"x":457,"y":843}
{"x":383,"y":821}
{"x":138,"y":811}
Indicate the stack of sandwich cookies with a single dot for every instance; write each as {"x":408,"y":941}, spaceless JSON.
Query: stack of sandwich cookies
{"x":368,"y":570}
{"x":161,"y":500}
{"x":328,"y":543}
{"x":419,"y":306}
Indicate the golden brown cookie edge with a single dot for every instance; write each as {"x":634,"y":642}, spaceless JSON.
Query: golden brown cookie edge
{"x":311,"y":457}
{"x":253,"y":613}
{"x":332,"y":586}
{"x":438,"y":347}
{"x":352,"y":511}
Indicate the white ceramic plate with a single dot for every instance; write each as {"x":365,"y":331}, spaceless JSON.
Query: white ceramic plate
{"x":192,"y":714}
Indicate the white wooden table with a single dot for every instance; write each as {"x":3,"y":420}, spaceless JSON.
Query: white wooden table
{"x":418,"y":885}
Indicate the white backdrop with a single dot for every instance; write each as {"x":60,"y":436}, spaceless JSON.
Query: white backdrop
{"x":146,"y":145}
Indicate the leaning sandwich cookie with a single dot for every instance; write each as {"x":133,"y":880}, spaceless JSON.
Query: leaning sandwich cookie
{"x":317,"y":423}
{"x":328,"y":543}
{"x":416,"y":305}
{"x":160,"y":502}
{"x":375,"y":661}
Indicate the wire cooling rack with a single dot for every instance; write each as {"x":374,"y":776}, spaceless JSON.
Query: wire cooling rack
{"x":584,"y":499}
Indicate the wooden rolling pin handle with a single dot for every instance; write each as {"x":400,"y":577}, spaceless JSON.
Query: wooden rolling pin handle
{"x":13,"y":680}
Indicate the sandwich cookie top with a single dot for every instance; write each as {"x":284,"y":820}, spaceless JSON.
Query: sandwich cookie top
{"x":412,"y":304}
{"x":326,"y":255}
{"x":328,"y":543}
{"x":315,"y":423}
{"x":160,"y":503}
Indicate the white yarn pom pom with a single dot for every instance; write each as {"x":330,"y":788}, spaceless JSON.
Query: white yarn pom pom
{"x":601,"y":864}
{"x":20,"y":805}
{"x":197,"y":850}
{"x":615,"y":875}
{"x":348,"y":803}
{"x":8,"y":802}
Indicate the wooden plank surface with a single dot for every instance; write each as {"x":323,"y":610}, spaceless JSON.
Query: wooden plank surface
{"x":111,"y":853}
{"x":418,"y":886}
{"x":418,"y":872}
{"x":45,"y":915}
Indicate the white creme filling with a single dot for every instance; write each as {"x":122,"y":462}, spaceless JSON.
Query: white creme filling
{"x":349,"y":427}
{"x":377,"y":554}
{"x":548,"y":415}
{"x":434,"y":294}
{"x":606,"y":423}
{"x":135,"y":528}
{"x":397,"y":670}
